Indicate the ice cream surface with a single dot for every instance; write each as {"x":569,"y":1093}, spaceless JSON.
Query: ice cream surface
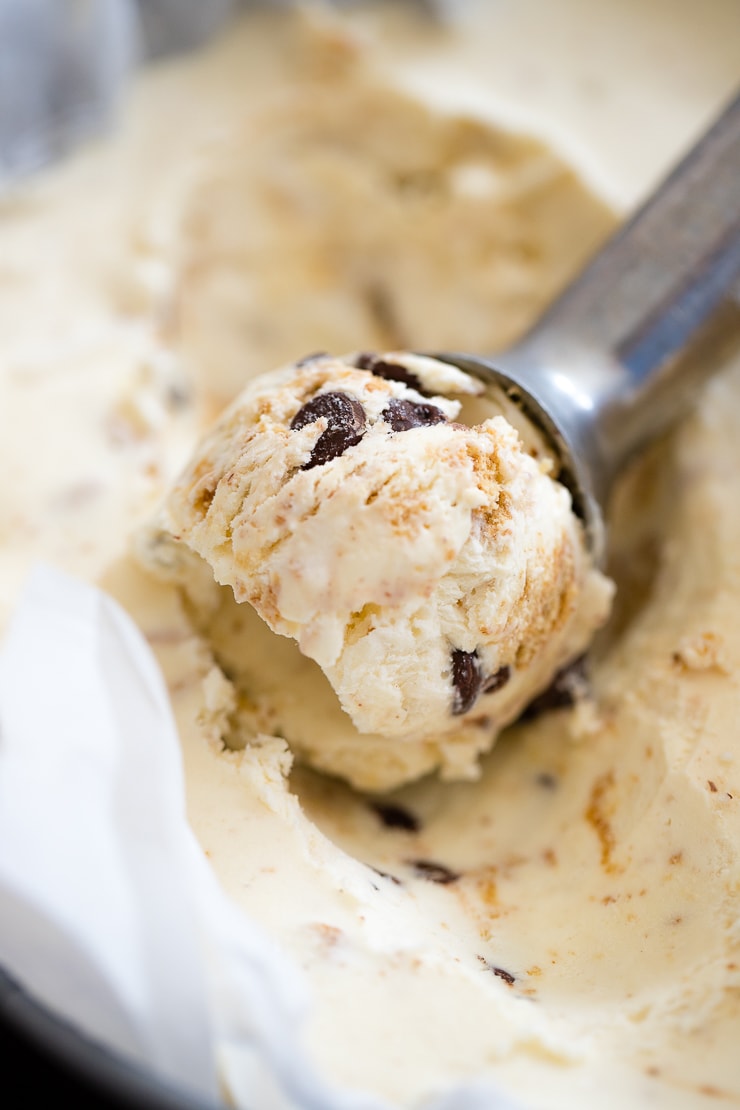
{"x":566,"y":927}
{"x":435,"y":571}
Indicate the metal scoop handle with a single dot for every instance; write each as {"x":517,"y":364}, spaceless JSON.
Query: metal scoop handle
{"x":618,"y":356}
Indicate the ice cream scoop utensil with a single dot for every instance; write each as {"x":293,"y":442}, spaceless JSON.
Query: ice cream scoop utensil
{"x":619,"y":355}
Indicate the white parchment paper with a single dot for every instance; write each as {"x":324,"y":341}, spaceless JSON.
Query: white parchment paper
{"x":97,"y":917}
{"x":109,"y":913}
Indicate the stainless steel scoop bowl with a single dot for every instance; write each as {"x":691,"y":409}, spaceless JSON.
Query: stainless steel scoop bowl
{"x":620,"y":354}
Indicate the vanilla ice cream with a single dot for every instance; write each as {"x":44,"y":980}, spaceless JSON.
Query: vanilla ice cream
{"x":435,"y":571}
{"x":564,"y":928}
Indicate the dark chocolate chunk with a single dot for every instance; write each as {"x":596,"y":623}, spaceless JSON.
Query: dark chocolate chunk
{"x":560,"y":694}
{"x":345,"y":425}
{"x":546,"y":780}
{"x":396,"y":817}
{"x":402,"y":415}
{"x":311,"y":358}
{"x":497,"y":680}
{"x":433,"y":871}
{"x":391,"y":371}
{"x":466,"y":679}
{"x":502,"y":973}
{"x":366,"y":360}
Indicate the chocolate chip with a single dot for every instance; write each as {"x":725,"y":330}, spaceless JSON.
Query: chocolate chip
{"x":402,"y":415}
{"x":502,"y":973}
{"x":505,"y":975}
{"x":560,"y":694}
{"x":466,"y":679}
{"x":546,"y":780}
{"x":396,"y":817}
{"x":345,"y":425}
{"x":366,"y":360}
{"x":391,"y":371}
{"x":497,"y":680}
{"x":311,"y":358}
{"x":434,"y":872}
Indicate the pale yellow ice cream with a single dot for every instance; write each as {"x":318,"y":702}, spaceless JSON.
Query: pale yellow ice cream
{"x":434,"y":570}
{"x":567,"y":926}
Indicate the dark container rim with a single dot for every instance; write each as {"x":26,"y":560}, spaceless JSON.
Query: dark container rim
{"x":86,"y":1060}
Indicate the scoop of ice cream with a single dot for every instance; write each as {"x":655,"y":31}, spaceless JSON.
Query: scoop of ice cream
{"x":435,"y":571}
